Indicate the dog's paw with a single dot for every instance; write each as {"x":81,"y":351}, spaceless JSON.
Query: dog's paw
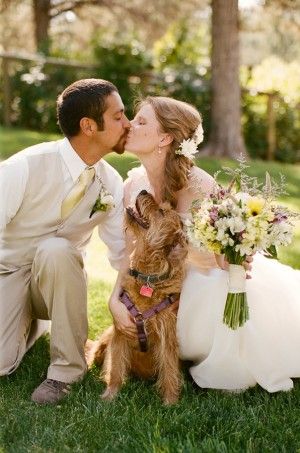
{"x":170,"y":399}
{"x":109,"y":394}
{"x":89,"y":352}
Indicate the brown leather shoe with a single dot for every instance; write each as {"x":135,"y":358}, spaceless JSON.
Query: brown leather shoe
{"x":50,"y":392}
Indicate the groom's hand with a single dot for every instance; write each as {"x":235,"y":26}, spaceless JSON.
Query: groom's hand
{"x":122,"y":319}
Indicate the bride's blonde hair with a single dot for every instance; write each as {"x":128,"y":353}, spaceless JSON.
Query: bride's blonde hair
{"x":180,"y":120}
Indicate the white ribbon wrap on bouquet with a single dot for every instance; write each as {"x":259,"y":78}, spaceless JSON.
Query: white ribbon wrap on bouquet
{"x":237,"y":279}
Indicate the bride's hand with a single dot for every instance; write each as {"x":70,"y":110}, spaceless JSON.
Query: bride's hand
{"x":248,"y":266}
{"x":122,"y":319}
{"x":223,"y":264}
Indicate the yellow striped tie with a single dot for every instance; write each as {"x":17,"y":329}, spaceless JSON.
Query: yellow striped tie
{"x":77,"y":192}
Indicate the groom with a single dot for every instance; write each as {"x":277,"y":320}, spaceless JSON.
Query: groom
{"x":48,"y":211}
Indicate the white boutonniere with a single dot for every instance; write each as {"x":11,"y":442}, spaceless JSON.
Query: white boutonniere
{"x":104,"y":202}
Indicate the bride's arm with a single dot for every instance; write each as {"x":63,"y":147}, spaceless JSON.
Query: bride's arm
{"x":200,"y":185}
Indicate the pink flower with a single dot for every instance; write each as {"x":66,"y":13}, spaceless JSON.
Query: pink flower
{"x":279,"y":217}
{"x":213,"y":215}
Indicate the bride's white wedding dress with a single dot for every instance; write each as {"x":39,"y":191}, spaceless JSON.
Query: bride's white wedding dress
{"x":266,"y":350}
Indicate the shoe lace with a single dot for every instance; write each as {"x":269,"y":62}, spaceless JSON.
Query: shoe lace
{"x":58,"y":384}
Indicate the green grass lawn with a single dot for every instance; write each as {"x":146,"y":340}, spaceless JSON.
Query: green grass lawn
{"x":203,"y":420}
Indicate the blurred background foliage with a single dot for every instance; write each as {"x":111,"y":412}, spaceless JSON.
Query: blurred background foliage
{"x":168,"y":55}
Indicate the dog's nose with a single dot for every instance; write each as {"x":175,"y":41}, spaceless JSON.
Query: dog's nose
{"x":143,"y":192}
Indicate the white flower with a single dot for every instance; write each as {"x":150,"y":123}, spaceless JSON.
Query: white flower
{"x":107,"y":199}
{"x":104,"y":202}
{"x":242,"y":196}
{"x":198,"y":135}
{"x":244,"y":249}
{"x":280,"y":234}
{"x":236,"y":225}
{"x":187,"y":148}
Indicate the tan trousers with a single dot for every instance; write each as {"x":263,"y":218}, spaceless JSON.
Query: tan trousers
{"x":53,"y":288}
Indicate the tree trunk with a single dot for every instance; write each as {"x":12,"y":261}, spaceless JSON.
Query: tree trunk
{"x":226,"y":137}
{"x":41,"y":13}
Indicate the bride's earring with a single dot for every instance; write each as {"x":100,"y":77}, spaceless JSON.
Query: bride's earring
{"x":159,"y":150}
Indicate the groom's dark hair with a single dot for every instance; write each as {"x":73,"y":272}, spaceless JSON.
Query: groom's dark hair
{"x":84,"y":98}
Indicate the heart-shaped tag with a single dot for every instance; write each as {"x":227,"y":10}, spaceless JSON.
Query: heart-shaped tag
{"x":146,"y":291}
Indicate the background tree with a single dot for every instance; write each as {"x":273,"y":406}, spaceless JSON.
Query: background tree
{"x":164,"y":47}
{"x":226,"y":136}
{"x":155,"y":12}
{"x":42,"y":17}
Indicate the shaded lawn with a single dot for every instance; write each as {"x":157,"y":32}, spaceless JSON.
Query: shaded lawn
{"x":13,"y":140}
{"x":203,"y":420}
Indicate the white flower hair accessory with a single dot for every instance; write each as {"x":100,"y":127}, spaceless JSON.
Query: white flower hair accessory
{"x":188,"y":148}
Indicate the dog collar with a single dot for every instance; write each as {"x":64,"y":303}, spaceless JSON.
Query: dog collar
{"x":154,"y":278}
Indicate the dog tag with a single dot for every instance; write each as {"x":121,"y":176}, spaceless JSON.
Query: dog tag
{"x":146,"y":291}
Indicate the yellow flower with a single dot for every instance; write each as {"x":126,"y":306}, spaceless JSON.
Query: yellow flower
{"x":215,"y":247}
{"x":255,"y":205}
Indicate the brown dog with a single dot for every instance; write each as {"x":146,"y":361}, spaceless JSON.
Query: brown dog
{"x":157,"y":267}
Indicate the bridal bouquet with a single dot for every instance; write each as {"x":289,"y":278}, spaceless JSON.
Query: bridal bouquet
{"x":238,"y":221}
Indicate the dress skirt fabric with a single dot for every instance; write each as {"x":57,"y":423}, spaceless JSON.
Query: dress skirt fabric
{"x":266,"y":350}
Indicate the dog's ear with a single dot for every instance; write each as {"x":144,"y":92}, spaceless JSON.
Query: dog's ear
{"x":165,"y":207}
{"x":178,"y":250}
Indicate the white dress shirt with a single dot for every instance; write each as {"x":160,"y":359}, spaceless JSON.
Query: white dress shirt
{"x":14,"y":173}
{"x":14,"y":176}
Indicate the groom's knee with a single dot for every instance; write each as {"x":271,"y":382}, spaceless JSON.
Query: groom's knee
{"x":53,"y":247}
{"x":55,"y":251}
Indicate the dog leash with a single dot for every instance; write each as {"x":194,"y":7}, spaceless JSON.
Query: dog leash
{"x":140,"y":317}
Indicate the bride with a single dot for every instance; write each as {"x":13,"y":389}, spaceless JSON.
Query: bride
{"x":266,"y":350}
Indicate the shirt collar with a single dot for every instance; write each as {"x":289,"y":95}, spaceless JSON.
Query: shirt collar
{"x":73,"y":162}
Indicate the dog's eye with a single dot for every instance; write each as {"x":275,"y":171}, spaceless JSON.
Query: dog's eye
{"x":161,"y":211}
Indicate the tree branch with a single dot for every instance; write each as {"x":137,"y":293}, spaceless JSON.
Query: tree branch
{"x":69,"y":5}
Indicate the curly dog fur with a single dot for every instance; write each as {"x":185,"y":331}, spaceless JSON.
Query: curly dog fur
{"x":160,"y":247}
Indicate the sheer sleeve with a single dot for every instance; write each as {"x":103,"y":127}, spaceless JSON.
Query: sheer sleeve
{"x":136,"y":181}
{"x":200,"y":184}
